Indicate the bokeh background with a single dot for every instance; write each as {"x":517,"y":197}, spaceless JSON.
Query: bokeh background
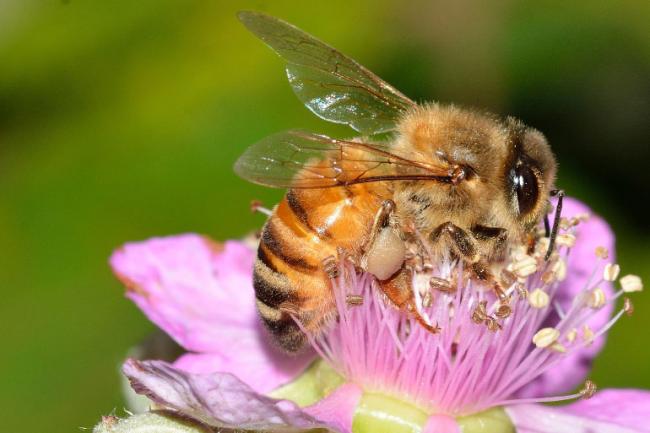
{"x":121,"y":120}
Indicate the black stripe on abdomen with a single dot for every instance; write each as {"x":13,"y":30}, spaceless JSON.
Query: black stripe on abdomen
{"x":286,"y":332}
{"x":270,"y":239}
{"x":269,"y":293}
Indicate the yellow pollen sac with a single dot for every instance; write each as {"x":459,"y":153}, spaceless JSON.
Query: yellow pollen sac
{"x":631,"y":283}
{"x":538,"y":298}
{"x":525,"y":266}
{"x":602,"y":253}
{"x":545,"y":337}
{"x":611,"y":271}
{"x":597,"y":298}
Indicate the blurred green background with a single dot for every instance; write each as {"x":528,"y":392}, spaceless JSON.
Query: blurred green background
{"x":121,"y":120}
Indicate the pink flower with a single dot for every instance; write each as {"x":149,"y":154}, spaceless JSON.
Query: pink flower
{"x":390,"y":373}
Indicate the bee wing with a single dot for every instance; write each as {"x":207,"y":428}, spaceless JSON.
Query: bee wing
{"x":333,"y":86}
{"x":300,"y":159}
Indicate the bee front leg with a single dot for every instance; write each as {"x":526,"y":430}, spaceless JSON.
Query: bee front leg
{"x":461,"y":242}
{"x":384,"y":250}
{"x":465,"y":247}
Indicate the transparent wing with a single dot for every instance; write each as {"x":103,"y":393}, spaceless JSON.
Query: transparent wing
{"x":300,"y":159}
{"x":333,"y":86}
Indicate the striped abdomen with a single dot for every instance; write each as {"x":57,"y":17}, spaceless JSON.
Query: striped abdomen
{"x":306,"y":227}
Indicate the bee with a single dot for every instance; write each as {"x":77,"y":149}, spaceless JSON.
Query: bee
{"x":466,"y":182}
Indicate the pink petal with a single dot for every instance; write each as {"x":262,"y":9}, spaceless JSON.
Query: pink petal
{"x":201,"y":294}
{"x":573,"y":370}
{"x":217,"y":399}
{"x":338,"y":408}
{"x":609,"y":411}
{"x":441,"y":424}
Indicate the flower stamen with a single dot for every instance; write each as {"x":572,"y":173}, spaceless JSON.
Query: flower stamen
{"x":588,"y":390}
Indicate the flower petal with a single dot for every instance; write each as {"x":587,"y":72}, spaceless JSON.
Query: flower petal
{"x":338,"y":408}
{"x":217,"y":399}
{"x":572,"y":370}
{"x":609,"y":411}
{"x":201,"y":294}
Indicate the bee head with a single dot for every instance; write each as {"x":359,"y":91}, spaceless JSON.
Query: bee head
{"x":530,"y":173}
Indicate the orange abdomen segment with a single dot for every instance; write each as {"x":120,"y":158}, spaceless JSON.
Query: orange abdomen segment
{"x":306,"y":227}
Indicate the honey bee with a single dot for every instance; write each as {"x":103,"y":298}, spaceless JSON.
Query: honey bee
{"x":467,"y":183}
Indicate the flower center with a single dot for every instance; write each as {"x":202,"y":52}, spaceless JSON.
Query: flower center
{"x":481,"y":358}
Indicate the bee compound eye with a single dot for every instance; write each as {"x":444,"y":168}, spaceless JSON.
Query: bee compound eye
{"x":526,"y":187}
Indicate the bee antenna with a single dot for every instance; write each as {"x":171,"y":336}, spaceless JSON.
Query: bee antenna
{"x":556,"y":221}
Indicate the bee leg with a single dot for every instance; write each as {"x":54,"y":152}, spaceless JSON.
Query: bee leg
{"x":381,"y":220}
{"x":465,"y":247}
{"x":462,"y":244}
{"x":384,"y":251}
{"x":398,"y":290}
{"x":495,"y":237}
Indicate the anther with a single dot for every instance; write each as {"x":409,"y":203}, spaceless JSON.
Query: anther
{"x":492,"y":324}
{"x":559,"y":269}
{"x":587,"y":335}
{"x":538,"y":298}
{"x":565,"y":239}
{"x":480,"y":313}
{"x":504,"y":311}
{"x":441,"y":285}
{"x":588,"y":390}
{"x":354,"y":300}
{"x":571,"y":335}
{"x":631,"y":283}
{"x":525,"y":266}
{"x":602,"y":253}
{"x":548,"y":277}
{"x":565,"y":224}
{"x":557,"y":347}
{"x":611,"y":271}
{"x":597,"y":298}
{"x":521,"y":291}
{"x":628,"y":307}
{"x":257,"y":206}
{"x":545,"y":337}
